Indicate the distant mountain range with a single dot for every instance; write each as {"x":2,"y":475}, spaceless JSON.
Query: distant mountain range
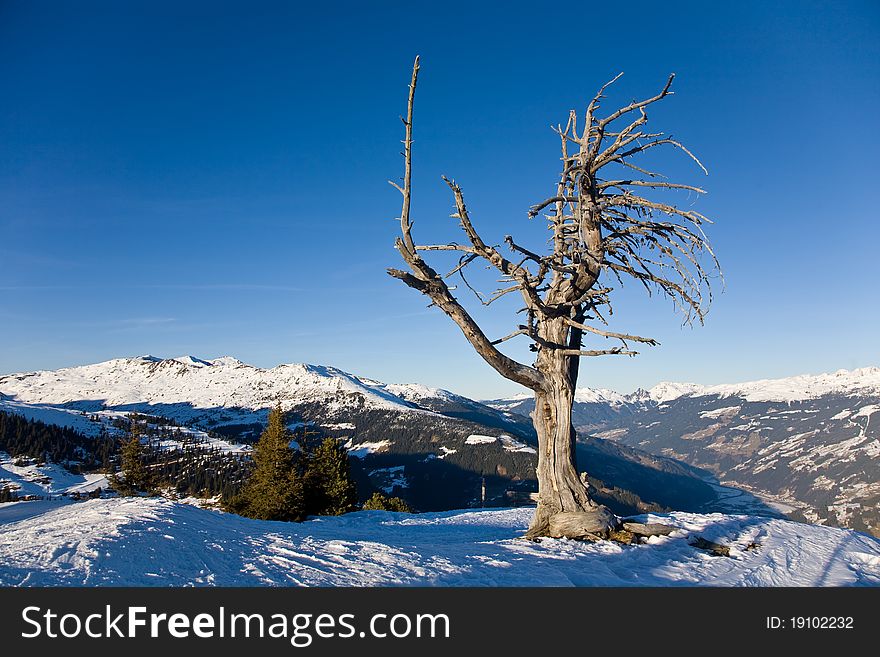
{"x":805,"y":442}
{"x":434,"y":448}
{"x":803,"y":446}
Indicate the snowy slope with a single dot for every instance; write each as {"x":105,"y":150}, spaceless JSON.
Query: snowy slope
{"x":156,"y":542}
{"x":47,"y":479}
{"x":62,"y":417}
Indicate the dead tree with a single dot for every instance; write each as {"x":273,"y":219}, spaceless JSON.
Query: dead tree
{"x":605,"y":226}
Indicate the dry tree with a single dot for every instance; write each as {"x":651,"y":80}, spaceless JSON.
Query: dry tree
{"x":604,"y":228}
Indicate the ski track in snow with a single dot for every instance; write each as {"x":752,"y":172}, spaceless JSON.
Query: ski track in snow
{"x":157,"y":542}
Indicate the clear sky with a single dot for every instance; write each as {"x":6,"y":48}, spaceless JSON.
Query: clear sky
{"x":210,"y":178}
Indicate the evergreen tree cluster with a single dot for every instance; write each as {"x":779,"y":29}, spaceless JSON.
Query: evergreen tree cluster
{"x":49,"y":443}
{"x":327,"y":485}
{"x":381,"y":502}
{"x":290,"y":485}
{"x":186,"y":471}
{"x":274,"y":490}
{"x":201,"y":472}
{"x":275,"y":482}
{"x":190,"y":468}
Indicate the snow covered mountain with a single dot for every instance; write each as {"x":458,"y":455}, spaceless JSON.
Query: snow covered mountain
{"x":189,"y":389}
{"x":223,"y":394}
{"x":865,"y":380}
{"x":590,"y":403}
{"x":843,"y":383}
{"x":430,"y":446}
{"x":807,"y":441}
{"x":157,"y":542}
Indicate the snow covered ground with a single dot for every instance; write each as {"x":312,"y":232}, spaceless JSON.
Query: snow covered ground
{"x":158,"y":542}
{"x":44,"y":480}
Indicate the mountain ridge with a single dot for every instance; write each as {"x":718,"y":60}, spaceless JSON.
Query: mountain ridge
{"x":790,"y":388}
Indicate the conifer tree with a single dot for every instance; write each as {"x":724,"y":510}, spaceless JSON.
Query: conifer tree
{"x":136,"y":477}
{"x":274,"y":489}
{"x":381,"y":502}
{"x":329,"y":488}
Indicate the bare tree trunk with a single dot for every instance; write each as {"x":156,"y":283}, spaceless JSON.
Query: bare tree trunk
{"x":564,"y":504}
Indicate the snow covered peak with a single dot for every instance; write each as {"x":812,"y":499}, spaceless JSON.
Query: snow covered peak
{"x":227,"y":361}
{"x":863,"y":373}
{"x":788,"y":389}
{"x":640,"y":395}
{"x":793,"y":388}
{"x":599,"y":396}
{"x":187,"y":386}
{"x":805,"y":386}
{"x":509,"y":401}
{"x":416,"y":392}
{"x":193,"y":361}
{"x":667,"y":391}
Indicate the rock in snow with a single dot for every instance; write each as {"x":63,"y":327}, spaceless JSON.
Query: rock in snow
{"x":158,"y":542}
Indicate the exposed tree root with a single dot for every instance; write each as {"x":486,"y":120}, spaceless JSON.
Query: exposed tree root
{"x":715,"y":548}
{"x":597,"y":525}
{"x":648,"y":529}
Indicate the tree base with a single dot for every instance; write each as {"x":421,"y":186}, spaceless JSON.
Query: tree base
{"x":594,"y":524}
{"x":648,"y":529}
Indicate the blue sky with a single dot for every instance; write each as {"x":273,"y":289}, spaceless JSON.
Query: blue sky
{"x":210,"y":178}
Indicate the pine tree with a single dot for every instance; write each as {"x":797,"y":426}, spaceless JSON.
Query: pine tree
{"x":136,"y":477}
{"x":274,"y":489}
{"x":329,"y":488}
{"x":381,"y":502}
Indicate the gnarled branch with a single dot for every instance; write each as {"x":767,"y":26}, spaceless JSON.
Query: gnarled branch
{"x":423,"y":278}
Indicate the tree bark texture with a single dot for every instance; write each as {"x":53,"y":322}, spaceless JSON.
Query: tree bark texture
{"x":560,"y":489}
